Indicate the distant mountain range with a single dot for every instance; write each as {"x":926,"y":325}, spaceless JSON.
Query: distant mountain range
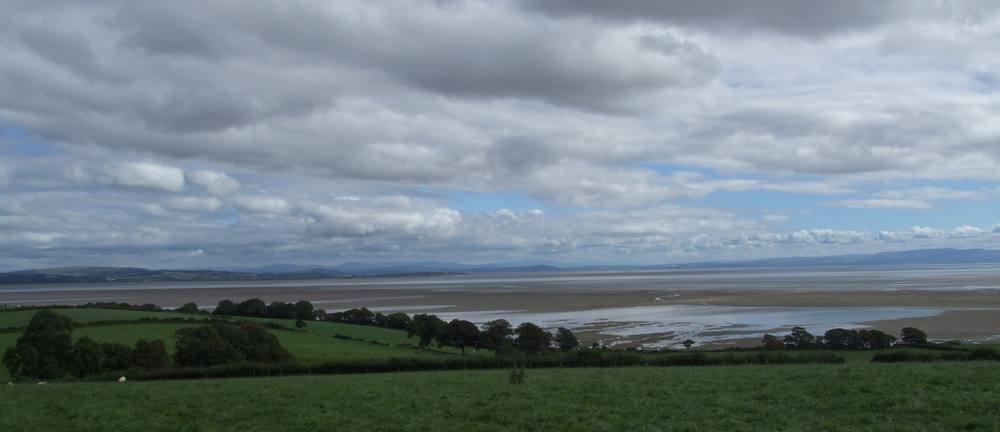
{"x":294,"y":271}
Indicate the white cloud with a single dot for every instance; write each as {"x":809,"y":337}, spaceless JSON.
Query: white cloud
{"x":262,"y":204}
{"x":883,"y":203}
{"x":194,"y":204}
{"x":147,"y":175}
{"x":926,"y":232}
{"x":217,"y":183}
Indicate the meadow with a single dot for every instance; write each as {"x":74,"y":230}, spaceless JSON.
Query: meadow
{"x":316,"y":343}
{"x":849,"y":397}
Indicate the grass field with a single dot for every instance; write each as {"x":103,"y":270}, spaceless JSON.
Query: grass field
{"x":21,"y":318}
{"x":315,"y":345}
{"x":852,"y":397}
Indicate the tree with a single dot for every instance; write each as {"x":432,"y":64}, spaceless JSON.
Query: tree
{"x":398,"y":320}
{"x":299,"y":323}
{"x":88,"y":358}
{"x":531,"y":338}
{"x":427,"y":328}
{"x":771,"y":342}
{"x":204,"y":346}
{"x":839,"y":338}
{"x":688,"y":343}
{"x":566,"y":339}
{"x":254,"y":307}
{"x":190,"y":308}
{"x":496,"y":334}
{"x":150,"y":355}
{"x":461,"y":333}
{"x":221,"y":343}
{"x":279,"y":310}
{"x":875,"y":339}
{"x":225,"y":307}
{"x":380,"y":320}
{"x":116,"y":357}
{"x":913,"y":335}
{"x":799,"y":339}
{"x":302,"y":310}
{"x":361,"y":316}
{"x":44,"y":350}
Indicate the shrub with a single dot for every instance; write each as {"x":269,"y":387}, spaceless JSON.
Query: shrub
{"x":224,"y":343}
{"x":88,"y":358}
{"x":116,"y":357}
{"x":150,"y":355}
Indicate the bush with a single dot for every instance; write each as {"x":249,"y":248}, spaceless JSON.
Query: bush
{"x":150,"y":355}
{"x":88,"y":358}
{"x":224,"y":343}
{"x":116,"y":357}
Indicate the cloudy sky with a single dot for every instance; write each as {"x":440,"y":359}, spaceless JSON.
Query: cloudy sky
{"x":236,"y":133}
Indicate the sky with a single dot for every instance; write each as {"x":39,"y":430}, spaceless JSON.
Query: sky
{"x":190,"y":134}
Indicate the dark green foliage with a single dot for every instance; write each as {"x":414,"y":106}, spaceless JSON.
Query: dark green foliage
{"x":254,"y":307}
{"x":875,"y":339}
{"x":302,"y":310}
{"x":566,"y":339}
{"x":115,"y":357}
{"x":148,"y":307}
{"x":299,"y":323}
{"x":839,"y":338}
{"x":913,"y":335}
{"x":398,"y":320}
{"x":204,"y":346}
{"x":800,"y":339}
{"x":150,"y":355}
{"x":190,"y":308}
{"x":88,"y":358}
{"x":531,"y":338}
{"x":771,"y":342}
{"x":225,"y":307}
{"x":460,"y":334}
{"x":222,"y":343}
{"x":44,"y":350}
{"x":427,"y":328}
{"x":688,"y":343}
{"x":361,"y":316}
{"x":497,"y":333}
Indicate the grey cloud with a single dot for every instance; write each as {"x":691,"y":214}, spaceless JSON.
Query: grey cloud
{"x":147,"y":175}
{"x":217,"y":183}
{"x":785,"y":16}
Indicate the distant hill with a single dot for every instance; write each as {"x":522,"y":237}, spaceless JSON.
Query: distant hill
{"x":426,"y":268}
{"x":911,"y":257}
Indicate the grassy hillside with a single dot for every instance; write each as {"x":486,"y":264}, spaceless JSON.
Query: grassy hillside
{"x":21,"y":318}
{"x":315,"y":344}
{"x":852,"y":397}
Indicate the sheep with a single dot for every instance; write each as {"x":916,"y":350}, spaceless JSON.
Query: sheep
{"x":42,"y":383}
{"x":121,"y":380}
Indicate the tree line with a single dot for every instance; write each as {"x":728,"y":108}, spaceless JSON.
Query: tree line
{"x":839,"y":338}
{"x":430,"y":330}
{"x":45,"y":350}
